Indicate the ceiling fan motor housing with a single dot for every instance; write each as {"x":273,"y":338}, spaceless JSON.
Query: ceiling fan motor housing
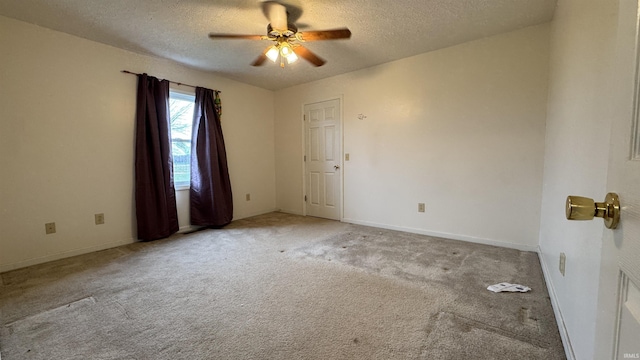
{"x":291,"y":30}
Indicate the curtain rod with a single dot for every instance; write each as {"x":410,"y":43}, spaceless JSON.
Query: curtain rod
{"x":173,"y":82}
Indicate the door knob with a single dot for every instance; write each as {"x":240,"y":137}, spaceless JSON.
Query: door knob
{"x":336,"y":167}
{"x":582,"y":208}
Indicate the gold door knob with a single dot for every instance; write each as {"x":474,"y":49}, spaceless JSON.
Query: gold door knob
{"x":582,"y":208}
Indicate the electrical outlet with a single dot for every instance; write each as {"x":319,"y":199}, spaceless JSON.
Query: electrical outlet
{"x":50,"y":228}
{"x":99,"y":219}
{"x":248,"y":197}
{"x":563,"y":262}
{"x":346,"y":157}
{"x":420,"y":207}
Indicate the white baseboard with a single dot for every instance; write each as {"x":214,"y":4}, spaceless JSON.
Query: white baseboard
{"x":62,"y":255}
{"x":472,"y":239}
{"x":292,"y":212}
{"x":564,"y":334}
{"x":256,"y":213}
{"x":185,"y":229}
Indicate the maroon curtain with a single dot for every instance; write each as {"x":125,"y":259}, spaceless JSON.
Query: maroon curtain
{"x":156,"y":212}
{"x":210,"y":194}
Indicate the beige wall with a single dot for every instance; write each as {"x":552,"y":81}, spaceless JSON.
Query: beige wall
{"x":576,"y":161}
{"x":66,"y":142}
{"x":460,"y":129}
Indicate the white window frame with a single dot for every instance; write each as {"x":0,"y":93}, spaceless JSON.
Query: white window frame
{"x":180,"y":94}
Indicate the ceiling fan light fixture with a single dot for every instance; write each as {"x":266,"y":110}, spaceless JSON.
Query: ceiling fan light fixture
{"x":273,"y":53}
{"x":291,"y":58}
{"x":285,"y":50}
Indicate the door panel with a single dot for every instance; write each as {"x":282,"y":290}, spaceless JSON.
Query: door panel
{"x":323,"y":153}
{"x":329,"y":191}
{"x":629,"y":320}
{"x":315,"y":115}
{"x":618,"y":325}
{"x":314,"y":144}
{"x":314,"y":188}
{"x":329,"y":144}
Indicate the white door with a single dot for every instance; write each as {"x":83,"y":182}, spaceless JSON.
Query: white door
{"x":618,"y":324}
{"x":323,"y":155}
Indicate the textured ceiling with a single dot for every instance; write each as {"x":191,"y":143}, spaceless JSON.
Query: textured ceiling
{"x":382,"y":30}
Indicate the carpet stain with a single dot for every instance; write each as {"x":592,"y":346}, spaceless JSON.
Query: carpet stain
{"x":410,"y":257}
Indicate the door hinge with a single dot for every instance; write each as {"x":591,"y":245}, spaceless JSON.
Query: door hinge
{"x":305,"y":158}
{"x":305,"y":198}
{"x":304,"y":117}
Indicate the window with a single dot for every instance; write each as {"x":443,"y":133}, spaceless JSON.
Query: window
{"x":181,"y":117}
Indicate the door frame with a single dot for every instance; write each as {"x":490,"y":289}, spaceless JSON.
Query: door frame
{"x":340,"y":99}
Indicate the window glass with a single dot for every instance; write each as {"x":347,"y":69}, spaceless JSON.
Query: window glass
{"x":181,"y":114}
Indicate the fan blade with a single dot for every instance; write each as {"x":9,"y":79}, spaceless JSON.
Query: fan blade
{"x":342,"y":33}
{"x":277,"y":15}
{"x":236,"y":36}
{"x":306,"y":54}
{"x":260,"y":59}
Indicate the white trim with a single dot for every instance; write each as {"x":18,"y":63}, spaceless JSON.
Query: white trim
{"x":63,"y":255}
{"x":304,"y":157}
{"x":635,"y":129}
{"x":187,"y":228}
{"x":182,"y":94}
{"x":342,"y":169}
{"x":256,"y":213}
{"x":467,"y":238}
{"x":623,"y":291}
{"x":289,"y":211}
{"x":564,"y":333}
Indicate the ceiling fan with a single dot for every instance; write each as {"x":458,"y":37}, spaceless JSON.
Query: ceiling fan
{"x":286,"y":38}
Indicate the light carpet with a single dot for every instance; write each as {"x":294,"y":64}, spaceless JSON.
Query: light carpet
{"x":280,"y":286}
